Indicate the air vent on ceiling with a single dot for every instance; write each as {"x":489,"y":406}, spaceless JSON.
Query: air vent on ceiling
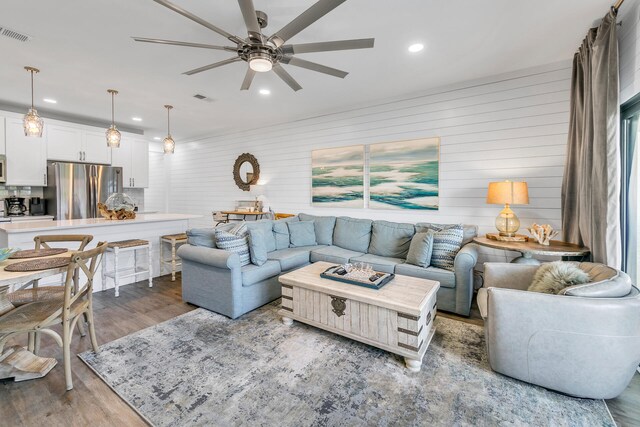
{"x":8,"y":32}
{"x":202,"y":97}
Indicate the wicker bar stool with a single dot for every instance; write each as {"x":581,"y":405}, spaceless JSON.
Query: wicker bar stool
{"x":174,"y":240}
{"x":122,"y":246}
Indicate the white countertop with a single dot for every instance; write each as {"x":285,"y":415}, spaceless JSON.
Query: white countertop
{"x":30,"y":226}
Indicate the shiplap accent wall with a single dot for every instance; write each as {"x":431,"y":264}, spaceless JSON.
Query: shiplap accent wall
{"x":512,"y":126}
{"x":155,"y":197}
{"x":629,"y":48}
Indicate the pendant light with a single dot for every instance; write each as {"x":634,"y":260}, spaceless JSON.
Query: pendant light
{"x":33,"y":124}
{"x":113,"y":134}
{"x":169,"y":144}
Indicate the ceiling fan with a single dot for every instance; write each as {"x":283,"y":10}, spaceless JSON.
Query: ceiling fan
{"x":264,"y":53}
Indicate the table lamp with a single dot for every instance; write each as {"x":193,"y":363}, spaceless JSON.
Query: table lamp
{"x":508,"y":193}
{"x":258,"y":191}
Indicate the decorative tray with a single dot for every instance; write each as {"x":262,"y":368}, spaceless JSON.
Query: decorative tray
{"x":375,"y":280}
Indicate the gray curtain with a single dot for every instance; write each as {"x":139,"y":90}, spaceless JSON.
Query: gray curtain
{"x":591,"y":185}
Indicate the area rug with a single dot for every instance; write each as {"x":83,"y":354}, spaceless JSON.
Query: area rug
{"x":204,"y":369}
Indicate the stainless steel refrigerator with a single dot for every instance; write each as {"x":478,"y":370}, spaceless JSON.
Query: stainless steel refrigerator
{"x":74,"y":190}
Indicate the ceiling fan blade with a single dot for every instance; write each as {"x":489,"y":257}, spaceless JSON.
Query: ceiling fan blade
{"x":306,"y":18}
{"x":212,"y":66}
{"x":314,"y":67}
{"x":188,"y":44}
{"x":282,"y":73}
{"x":250,"y":19}
{"x":248,"y":78}
{"x":199,"y":20}
{"x":328,"y":46}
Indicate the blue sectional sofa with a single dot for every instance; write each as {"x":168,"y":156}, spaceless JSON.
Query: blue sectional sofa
{"x":214,"y":279}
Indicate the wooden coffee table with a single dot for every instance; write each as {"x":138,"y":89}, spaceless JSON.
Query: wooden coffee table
{"x":397,"y":318}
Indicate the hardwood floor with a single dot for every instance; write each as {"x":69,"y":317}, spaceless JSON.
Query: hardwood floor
{"x":91,"y":402}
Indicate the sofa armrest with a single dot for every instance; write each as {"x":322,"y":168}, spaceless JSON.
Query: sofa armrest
{"x":463,"y":265}
{"x":209,"y":256}
{"x":508,"y":275}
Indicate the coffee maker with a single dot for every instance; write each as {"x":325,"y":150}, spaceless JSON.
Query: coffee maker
{"x":14,"y":206}
{"x":37,"y":206}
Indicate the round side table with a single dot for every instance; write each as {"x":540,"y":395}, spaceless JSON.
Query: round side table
{"x":529,"y":249}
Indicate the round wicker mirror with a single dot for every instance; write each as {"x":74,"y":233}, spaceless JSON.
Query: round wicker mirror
{"x":246,"y":171}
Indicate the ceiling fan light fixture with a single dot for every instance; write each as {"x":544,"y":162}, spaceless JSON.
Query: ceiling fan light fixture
{"x":260,"y":62}
{"x":32,"y":123}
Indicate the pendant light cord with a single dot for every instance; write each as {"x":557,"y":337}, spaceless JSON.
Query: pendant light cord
{"x":31,"y":89}
{"x":112,"y":109}
{"x":169,"y":121}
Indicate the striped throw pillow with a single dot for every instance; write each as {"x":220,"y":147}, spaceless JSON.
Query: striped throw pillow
{"x":233,"y":242}
{"x":447,"y":241}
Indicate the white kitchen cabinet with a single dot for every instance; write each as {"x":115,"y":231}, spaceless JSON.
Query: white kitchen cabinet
{"x":94,"y":147}
{"x":26,"y":156}
{"x":74,"y":144}
{"x":64,"y":143}
{"x":133,"y":157}
{"x":2,"y":136}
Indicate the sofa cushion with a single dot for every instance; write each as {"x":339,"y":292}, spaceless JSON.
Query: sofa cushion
{"x":446,"y":278}
{"x":292,"y":257}
{"x":205,"y":237}
{"x":281,"y":232}
{"x":257,"y":248}
{"x":391,"y":239}
{"x":420,"y":249}
{"x":333,"y":254}
{"x":468,"y":231}
{"x":378,"y":263}
{"x":234,"y":243}
{"x":352,"y":233}
{"x":252,"y":274}
{"x":301,"y":233}
{"x":323,"y":225}
{"x":266,"y":226}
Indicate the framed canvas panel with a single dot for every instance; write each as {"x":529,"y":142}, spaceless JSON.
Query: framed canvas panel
{"x":338,"y":177}
{"x":404,"y":174}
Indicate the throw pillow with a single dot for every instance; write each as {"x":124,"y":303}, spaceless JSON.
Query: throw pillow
{"x":553,"y":277}
{"x":231,"y":242}
{"x":202,"y":237}
{"x":446,"y":244}
{"x":420,"y":249}
{"x":281,"y":231}
{"x":240,"y":229}
{"x":257,"y":247}
{"x":302,"y":233}
{"x":323,"y":225}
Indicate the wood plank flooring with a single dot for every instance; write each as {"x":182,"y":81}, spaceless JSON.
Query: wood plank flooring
{"x":91,"y":402}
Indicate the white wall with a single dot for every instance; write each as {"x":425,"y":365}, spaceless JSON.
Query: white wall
{"x":156,"y":195}
{"x":512,"y":126}
{"x":629,"y":48}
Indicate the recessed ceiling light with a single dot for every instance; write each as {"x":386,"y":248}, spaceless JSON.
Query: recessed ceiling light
{"x":265,"y":92}
{"x":157,"y":138}
{"x":417,"y":47}
{"x":136,"y":119}
{"x":50,"y":101}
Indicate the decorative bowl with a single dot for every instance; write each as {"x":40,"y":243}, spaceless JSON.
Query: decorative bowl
{"x":118,"y":201}
{"x":7,"y":252}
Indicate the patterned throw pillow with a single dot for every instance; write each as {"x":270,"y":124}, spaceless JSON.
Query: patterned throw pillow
{"x":235,"y":240}
{"x":447,"y":241}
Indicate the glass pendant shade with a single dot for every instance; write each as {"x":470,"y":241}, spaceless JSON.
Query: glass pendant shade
{"x":33,"y":124}
{"x":169,"y":145}
{"x":113,"y":134}
{"x":113,"y":137}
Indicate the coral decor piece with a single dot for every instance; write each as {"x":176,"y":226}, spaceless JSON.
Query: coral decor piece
{"x":119,"y":214}
{"x":542,"y":233}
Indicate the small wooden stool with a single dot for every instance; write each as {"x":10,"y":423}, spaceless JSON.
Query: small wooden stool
{"x":116,"y":248}
{"x":174,"y":240}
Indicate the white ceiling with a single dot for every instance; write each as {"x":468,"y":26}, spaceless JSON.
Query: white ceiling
{"x":84,"y":47}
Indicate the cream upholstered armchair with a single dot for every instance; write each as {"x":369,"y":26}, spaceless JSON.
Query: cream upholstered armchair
{"x":585,"y":342}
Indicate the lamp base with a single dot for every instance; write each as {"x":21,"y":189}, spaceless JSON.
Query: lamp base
{"x":514,"y":238}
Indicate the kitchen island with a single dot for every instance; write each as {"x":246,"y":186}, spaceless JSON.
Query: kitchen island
{"x":145,"y":226}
